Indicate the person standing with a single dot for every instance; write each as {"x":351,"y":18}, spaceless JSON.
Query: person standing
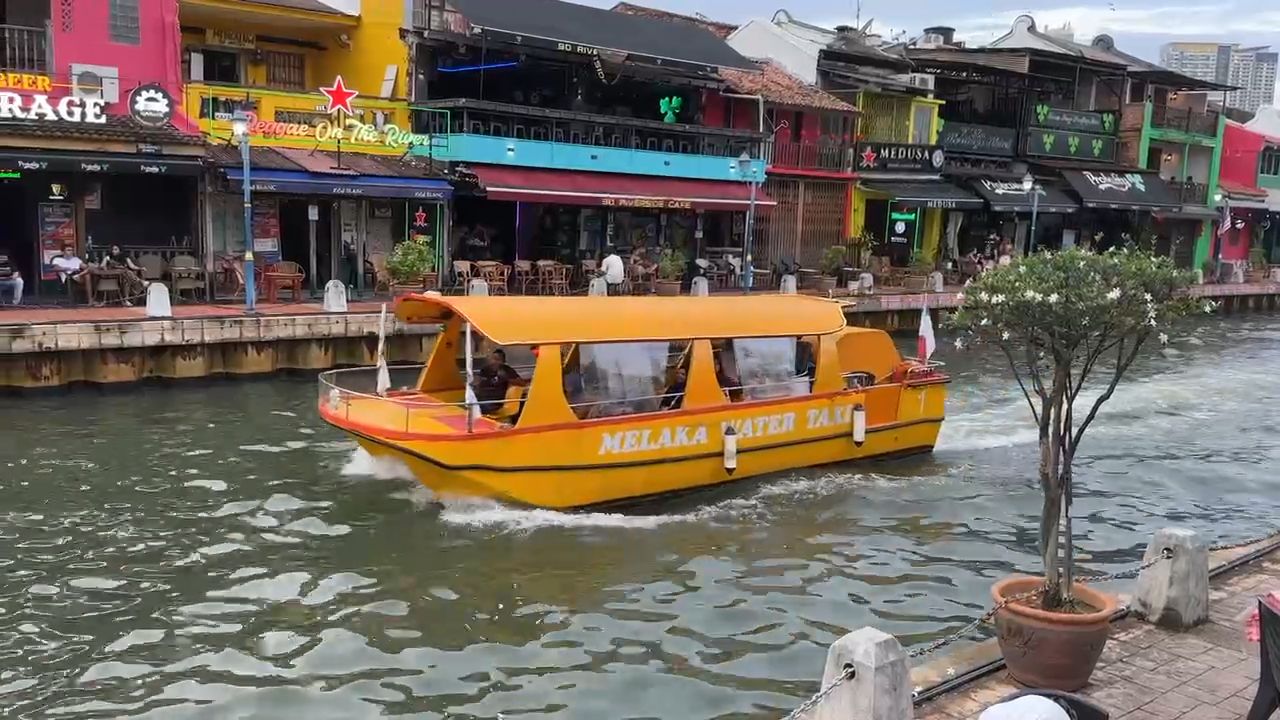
{"x":10,"y":279}
{"x":614,"y":271}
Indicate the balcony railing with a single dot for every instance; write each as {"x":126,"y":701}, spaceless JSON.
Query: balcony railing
{"x":832,"y":157}
{"x":1184,"y":120}
{"x":1190,"y":192}
{"x":433,"y":16}
{"x":25,"y":49}
{"x":522,"y":122}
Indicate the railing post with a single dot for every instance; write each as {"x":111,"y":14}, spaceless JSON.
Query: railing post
{"x":1175,"y":593}
{"x":880,"y":688}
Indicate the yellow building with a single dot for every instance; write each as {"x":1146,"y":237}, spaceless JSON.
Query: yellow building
{"x":271,"y":59}
{"x":907,"y":125}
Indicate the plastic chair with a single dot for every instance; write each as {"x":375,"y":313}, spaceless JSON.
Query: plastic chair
{"x":462,"y":272}
{"x":1267,"y":701}
{"x":104,"y":285}
{"x":152,"y":266}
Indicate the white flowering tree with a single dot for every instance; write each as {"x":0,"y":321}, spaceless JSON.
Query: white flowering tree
{"x":1067,"y":322}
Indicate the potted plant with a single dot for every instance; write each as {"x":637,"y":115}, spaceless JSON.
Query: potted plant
{"x":1257,"y":264}
{"x":1209,"y":270}
{"x":859,"y":245}
{"x":671,"y":268}
{"x":829,"y":266}
{"x":1070,"y":325}
{"x":412,"y":265}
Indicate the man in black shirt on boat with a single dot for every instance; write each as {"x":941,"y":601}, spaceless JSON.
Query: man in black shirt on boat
{"x":492,"y":381}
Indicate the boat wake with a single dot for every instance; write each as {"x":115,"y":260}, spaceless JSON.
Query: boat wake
{"x":362,"y":464}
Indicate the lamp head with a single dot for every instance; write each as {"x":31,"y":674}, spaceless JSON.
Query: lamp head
{"x":1028,"y":182}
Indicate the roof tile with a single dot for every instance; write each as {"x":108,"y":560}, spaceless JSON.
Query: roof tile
{"x":721,"y":29}
{"x":780,"y":87}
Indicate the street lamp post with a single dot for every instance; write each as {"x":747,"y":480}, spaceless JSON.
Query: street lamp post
{"x":747,"y":171}
{"x":1029,"y":185}
{"x":240,"y":131}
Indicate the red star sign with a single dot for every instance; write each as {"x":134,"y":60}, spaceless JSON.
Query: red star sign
{"x":419,"y":218}
{"x":869,"y":157}
{"x":339,"y":96}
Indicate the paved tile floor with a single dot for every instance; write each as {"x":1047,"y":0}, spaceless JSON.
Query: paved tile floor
{"x":1146,"y":673}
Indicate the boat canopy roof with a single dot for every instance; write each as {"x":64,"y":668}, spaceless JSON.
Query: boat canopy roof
{"x":549,"y":320}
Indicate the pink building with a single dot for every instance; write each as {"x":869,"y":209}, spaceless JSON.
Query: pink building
{"x":1238,"y":180}
{"x":85,"y":161}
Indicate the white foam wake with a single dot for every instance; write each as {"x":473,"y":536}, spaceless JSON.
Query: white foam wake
{"x":363,"y":464}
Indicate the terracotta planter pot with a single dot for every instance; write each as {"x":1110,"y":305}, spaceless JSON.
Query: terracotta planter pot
{"x":668,"y":288}
{"x":1050,"y":650}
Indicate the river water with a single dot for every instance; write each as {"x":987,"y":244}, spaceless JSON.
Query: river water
{"x":213,"y":550}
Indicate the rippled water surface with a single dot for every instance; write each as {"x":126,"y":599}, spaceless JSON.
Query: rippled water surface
{"x":214,"y":551}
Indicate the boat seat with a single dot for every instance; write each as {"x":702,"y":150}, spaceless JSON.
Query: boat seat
{"x":510,"y":408}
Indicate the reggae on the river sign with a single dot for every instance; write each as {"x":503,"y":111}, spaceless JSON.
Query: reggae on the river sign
{"x":339,"y":125}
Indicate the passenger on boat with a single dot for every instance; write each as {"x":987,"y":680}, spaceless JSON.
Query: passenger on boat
{"x":673,"y":396}
{"x":492,"y":381}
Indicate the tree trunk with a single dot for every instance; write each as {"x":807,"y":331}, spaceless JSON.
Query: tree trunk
{"x":1051,"y":482}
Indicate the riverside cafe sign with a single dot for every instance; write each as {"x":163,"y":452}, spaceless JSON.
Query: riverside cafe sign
{"x":24,"y":96}
{"x":345,"y":127}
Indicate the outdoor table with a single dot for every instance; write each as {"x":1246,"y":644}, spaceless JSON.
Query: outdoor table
{"x":275,"y":281}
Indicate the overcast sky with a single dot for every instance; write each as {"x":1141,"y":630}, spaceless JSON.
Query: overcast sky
{"x":1139,"y":26}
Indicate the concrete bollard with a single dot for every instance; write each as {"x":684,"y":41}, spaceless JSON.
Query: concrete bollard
{"x":599,"y":287}
{"x":868,"y":283}
{"x":787,"y":285}
{"x":335,"y":296}
{"x":699,"y":287}
{"x":1175,"y":593}
{"x":881,"y":686}
{"x":478,"y":286}
{"x":935,"y":282}
{"x":158,"y":305}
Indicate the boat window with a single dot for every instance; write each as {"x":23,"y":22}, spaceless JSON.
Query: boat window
{"x":621,"y":378}
{"x":765,"y":368}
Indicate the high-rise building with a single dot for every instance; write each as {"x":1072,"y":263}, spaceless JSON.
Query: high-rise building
{"x":1252,"y":69}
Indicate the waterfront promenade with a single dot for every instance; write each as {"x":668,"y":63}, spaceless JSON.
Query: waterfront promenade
{"x":1147,"y":673}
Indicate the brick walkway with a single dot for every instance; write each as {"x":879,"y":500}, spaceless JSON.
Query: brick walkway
{"x":43,"y":315}
{"x":1146,"y":673}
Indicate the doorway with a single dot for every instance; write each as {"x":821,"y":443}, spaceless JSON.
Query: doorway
{"x":295,"y":238}
{"x":18,"y":241}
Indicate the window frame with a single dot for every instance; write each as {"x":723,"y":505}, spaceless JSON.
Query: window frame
{"x":124,"y":22}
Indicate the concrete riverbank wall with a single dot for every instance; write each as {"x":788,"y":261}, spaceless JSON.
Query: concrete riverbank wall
{"x":59,"y":347}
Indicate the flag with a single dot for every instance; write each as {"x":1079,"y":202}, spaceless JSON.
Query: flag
{"x":473,"y":404}
{"x":925,"y":344}
{"x":384,"y":375}
{"x":1224,"y":222}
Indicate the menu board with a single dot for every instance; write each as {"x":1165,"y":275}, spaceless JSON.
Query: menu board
{"x":57,"y":230}
{"x":266,"y":231}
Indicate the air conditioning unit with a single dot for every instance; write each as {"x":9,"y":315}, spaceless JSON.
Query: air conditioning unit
{"x":925,"y":82}
{"x":98,"y":82}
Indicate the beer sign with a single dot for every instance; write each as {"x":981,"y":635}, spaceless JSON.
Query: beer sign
{"x":38,"y":106}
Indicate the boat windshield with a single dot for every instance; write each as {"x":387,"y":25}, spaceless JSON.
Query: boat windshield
{"x":622,"y":378}
{"x":765,"y":368}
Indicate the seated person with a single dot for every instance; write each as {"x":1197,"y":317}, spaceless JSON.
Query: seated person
{"x":805,"y":364}
{"x":71,"y":268}
{"x":492,"y":381}
{"x":10,"y":279}
{"x":673,"y":397}
{"x":728,"y":383}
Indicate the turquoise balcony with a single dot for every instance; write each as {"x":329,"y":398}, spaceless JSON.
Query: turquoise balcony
{"x":474,"y":131}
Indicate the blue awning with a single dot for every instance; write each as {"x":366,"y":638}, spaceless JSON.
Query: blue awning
{"x":305,"y":183}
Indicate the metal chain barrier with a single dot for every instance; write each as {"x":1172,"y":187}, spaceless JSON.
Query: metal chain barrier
{"x":822,"y":694}
{"x":968,"y":629}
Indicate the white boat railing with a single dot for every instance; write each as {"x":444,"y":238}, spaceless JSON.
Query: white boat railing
{"x":339,"y":388}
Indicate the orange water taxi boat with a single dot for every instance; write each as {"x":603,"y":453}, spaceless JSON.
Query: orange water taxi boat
{"x":631,"y":397}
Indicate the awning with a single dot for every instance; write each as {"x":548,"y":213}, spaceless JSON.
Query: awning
{"x":1243,"y":197}
{"x":567,"y":187}
{"x":1008,"y":196}
{"x":1121,"y":191}
{"x":305,"y":183}
{"x":936,"y":194}
{"x":99,"y":163}
{"x":1273,"y":200}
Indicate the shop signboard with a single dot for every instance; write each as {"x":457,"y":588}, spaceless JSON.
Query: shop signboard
{"x":647,"y":202}
{"x":57,"y":226}
{"x":900,"y":157}
{"x":347,"y":130}
{"x":1045,"y":142}
{"x":266,"y":230}
{"x":1076,"y":121}
{"x":230,"y":39}
{"x":957,"y":137}
{"x":25,"y":96}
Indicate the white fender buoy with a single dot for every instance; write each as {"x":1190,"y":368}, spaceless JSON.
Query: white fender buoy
{"x":859,"y":425}
{"x":335,"y":296}
{"x":730,"y":450}
{"x":698,"y":287}
{"x":335,"y":399}
{"x":158,"y":301}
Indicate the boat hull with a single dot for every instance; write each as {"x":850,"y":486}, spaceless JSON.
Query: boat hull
{"x":598,"y":463}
